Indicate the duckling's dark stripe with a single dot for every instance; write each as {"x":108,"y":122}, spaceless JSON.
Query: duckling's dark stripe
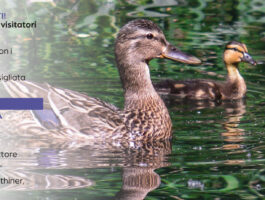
{"x":234,"y":49}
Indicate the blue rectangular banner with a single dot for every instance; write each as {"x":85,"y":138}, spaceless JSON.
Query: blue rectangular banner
{"x":21,"y":103}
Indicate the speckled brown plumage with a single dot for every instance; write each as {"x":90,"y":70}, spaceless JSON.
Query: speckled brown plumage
{"x":190,"y":89}
{"x":144,"y":117}
{"x":233,"y":88}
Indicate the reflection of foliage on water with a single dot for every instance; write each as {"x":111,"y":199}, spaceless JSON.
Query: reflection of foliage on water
{"x":72,"y":30}
{"x":252,"y":11}
{"x":203,"y":186}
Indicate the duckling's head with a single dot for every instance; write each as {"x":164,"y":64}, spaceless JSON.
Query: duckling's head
{"x":142,"y":40}
{"x":236,"y":52}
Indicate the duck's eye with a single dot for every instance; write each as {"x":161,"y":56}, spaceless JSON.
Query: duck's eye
{"x":149,"y":36}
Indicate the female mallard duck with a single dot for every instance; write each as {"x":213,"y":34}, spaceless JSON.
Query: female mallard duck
{"x":233,"y":88}
{"x":144,"y":116}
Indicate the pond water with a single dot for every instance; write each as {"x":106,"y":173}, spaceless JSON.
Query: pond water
{"x":217,"y":150}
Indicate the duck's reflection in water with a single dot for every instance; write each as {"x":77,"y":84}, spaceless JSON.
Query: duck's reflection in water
{"x":20,"y":180}
{"x":37,"y":152}
{"x":138,"y":181}
{"x":228,"y":114}
{"x":233,"y":134}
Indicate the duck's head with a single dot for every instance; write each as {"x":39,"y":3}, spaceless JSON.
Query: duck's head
{"x":236,"y":52}
{"x":143,"y":40}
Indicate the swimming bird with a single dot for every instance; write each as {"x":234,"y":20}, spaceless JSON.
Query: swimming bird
{"x":233,"y":88}
{"x":144,"y":117}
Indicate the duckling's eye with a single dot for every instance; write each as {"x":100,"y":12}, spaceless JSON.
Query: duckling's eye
{"x":149,"y":36}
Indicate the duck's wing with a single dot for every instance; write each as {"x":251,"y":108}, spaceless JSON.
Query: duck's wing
{"x":27,"y":89}
{"x":88,"y":115}
{"x":69,"y":109}
{"x":192,"y":89}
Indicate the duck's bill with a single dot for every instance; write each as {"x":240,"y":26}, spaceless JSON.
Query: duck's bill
{"x":247,"y":58}
{"x":175,"y":54}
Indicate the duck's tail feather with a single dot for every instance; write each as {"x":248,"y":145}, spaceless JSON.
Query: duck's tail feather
{"x":25,"y":89}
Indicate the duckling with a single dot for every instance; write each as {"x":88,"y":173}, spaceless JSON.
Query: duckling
{"x":144,"y":116}
{"x":233,"y":88}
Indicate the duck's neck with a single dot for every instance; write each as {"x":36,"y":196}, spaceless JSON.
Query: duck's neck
{"x":138,"y":88}
{"x":235,"y":82}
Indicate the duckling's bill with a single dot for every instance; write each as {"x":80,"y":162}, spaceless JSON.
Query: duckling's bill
{"x":248,"y":59}
{"x":175,"y":54}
